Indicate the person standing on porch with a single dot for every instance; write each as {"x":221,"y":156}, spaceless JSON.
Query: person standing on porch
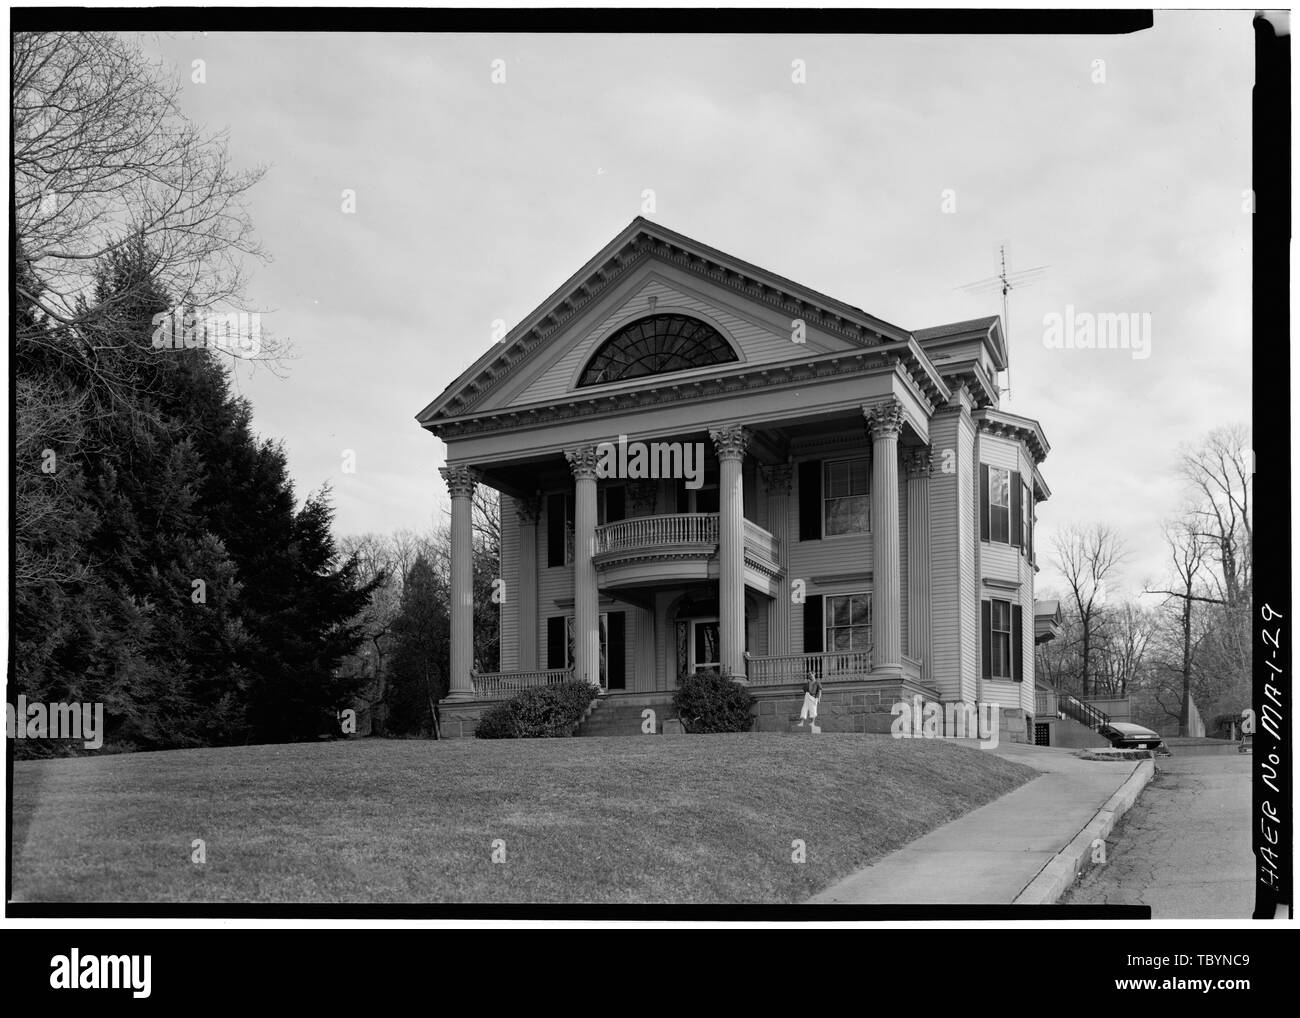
{"x":812,"y":695}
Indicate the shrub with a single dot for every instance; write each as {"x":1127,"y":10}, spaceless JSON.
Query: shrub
{"x":543,"y":712}
{"x":497,"y":722}
{"x":708,"y":702}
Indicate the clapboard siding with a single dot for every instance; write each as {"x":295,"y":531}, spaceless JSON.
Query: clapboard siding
{"x":665,"y":652}
{"x":967,"y":528}
{"x":946,"y":617}
{"x":554,"y":583}
{"x":509,"y":571}
{"x":756,"y":608}
{"x":1007,"y":563}
{"x":831,"y":556}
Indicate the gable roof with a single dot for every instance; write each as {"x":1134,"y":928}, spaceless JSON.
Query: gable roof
{"x":637,"y":241}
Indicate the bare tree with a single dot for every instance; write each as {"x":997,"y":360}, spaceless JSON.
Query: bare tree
{"x":1219,"y":474}
{"x":1187,"y":549}
{"x":1088,"y":558}
{"x":1219,"y":471}
{"x":102,"y":155}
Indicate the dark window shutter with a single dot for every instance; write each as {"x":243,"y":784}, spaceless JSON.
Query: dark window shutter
{"x":813,"y":634}
{"x":1017,"y":665}
{"x":984,"y":501}
{"x":615,"y":504}
{"x":1015,"y":498}
{"x":683,"y":499}
{"x":555,"y":530}
{"x":1029,"y":523}
{"x":810,"y":501}
{"x":555,"y":639}
{"x":616,"y":673}
{"x":986,"y":637}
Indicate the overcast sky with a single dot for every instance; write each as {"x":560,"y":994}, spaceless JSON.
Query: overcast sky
{"x":474,"y":200}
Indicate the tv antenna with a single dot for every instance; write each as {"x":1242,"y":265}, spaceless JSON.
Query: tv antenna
{"x":1006,"y":282}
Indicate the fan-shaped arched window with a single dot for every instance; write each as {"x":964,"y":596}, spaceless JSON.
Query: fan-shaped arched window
{"x":654,"y":346}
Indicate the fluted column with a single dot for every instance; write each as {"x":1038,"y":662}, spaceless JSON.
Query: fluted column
{"x":586,"y":620}
{"x":460,"y":484}
{"x":730,"y":441}
{"x":777,"y":482}
{"x":918,"y":560}
{"x":528,"y":511}
{"x":885,"y":421}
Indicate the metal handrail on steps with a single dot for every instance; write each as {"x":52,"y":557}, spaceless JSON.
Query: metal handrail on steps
{"x":1084,"y":713}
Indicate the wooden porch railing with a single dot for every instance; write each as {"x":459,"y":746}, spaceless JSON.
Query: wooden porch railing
{"x":504,"y":685}
{"x":832,"y":666}
{"x":657,"y":531}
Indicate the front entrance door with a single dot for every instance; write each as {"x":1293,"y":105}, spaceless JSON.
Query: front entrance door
{"x":704,"y":644}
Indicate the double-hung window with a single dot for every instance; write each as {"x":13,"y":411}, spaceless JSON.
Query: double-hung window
{"x":846,"y":497}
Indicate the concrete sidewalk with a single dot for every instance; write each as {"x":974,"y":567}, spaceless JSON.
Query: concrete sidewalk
{"x":993,"y":853}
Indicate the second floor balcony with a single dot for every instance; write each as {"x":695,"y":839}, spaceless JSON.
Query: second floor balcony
{"x":649,"y":551}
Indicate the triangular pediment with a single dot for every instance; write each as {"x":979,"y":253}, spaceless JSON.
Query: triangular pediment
{"x":646,"y":270}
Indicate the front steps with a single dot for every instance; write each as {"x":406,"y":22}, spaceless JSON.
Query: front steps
{"x":621,"y":714}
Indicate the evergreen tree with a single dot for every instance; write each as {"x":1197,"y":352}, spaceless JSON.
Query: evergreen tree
{"x":418,"y":672}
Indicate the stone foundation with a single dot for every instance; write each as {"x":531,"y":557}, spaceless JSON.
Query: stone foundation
{"x":460,"y":719}
{"x":865,"y":707}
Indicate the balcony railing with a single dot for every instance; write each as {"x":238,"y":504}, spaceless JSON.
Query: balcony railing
{"x":831,"y":666}
{"x":646,"y":532}
{"x":504,"y":685}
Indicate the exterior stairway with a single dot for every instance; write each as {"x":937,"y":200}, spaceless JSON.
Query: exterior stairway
{"x":621,"y":715}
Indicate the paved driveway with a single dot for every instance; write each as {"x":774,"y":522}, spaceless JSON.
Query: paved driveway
{"x":1184,"y":848}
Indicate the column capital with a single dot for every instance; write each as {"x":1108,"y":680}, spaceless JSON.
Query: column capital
{"x":884,"y":419}
{"x":730,"y":440}
{"x":582,"y":461}
{"x":918,"y":463}
{"x":777,"y":478}
{"x":529,"y":510}
{"x":460,"y":480}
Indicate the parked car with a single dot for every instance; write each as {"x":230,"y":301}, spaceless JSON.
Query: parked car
{"x":1123,"y":735}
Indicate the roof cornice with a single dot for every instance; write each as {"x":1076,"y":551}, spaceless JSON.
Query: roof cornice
{"x":713,"y":385}
{"x":1023,"y":429}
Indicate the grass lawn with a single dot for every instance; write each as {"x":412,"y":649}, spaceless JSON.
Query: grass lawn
{"x":682,"y":819}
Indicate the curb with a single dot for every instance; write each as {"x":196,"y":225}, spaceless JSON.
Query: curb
{"x":1064,"y":868}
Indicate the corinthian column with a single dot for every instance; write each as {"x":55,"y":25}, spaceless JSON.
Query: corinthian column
{"x":460,"y":484}
{"x":586,"y":620}
{"x":528,"y":510}
{"x":777,"y":482}
{"x":730,"y":441}
{"x":885,"y":421}
{"x":918,"y":559}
